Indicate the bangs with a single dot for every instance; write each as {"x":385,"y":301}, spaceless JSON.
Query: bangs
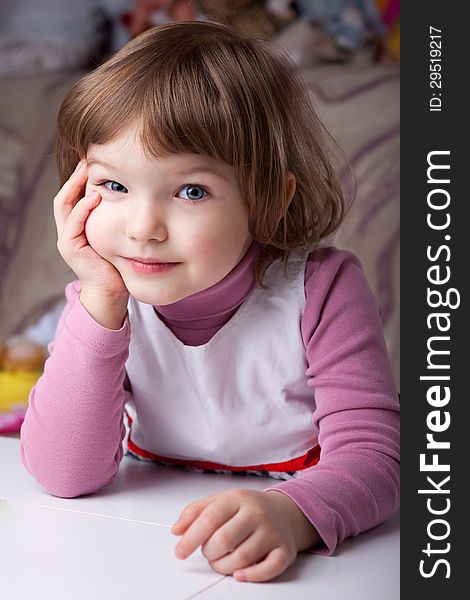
{"x":184,"y":110}
{"x":196,"y":102}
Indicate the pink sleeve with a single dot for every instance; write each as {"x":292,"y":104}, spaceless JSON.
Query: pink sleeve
{"x":71,"y":438}
{"x":355,"y":485}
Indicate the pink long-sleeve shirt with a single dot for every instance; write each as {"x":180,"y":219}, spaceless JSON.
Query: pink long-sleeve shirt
{"x":71,"y":439}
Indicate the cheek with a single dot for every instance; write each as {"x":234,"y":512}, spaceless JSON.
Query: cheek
{"x":221,"y":233}
{"x":98,"y":228}
{"x":203,"y":242}
{"x":215,"y":249}
{"x":231,"y":232}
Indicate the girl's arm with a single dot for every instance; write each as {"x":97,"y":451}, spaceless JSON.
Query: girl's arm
{"x":71,"y":438}
{"x":355,"y":485}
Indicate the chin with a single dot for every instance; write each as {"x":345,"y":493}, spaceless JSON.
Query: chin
{"x":156,"y":298}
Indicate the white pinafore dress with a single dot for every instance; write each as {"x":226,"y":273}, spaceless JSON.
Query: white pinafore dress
{"x":239,"y":403}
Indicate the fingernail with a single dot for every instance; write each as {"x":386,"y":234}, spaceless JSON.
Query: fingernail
{"x":179,"y":553}
{"x":240,"y":575}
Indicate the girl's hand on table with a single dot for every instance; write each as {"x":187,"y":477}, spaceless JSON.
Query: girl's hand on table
{"x":254,"y":536}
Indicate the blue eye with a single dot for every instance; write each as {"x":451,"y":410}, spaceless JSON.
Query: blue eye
{"x":194,"y":192}
{"x":114,"y":186}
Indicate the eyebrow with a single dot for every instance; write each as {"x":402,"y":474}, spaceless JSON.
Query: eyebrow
{"x":204,"y":169}
{"x":95,"y":161}
{"x":191,"y":171}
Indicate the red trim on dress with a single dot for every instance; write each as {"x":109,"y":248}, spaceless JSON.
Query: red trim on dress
{"x":309,"y":459}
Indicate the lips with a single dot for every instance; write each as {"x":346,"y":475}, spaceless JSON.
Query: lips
{"x":150,"y":261}
{"x":150,"y":266}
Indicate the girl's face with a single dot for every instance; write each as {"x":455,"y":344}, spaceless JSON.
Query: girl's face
{"x":185,"y":209}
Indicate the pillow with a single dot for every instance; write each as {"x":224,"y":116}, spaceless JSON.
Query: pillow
{"x":47,"y":35}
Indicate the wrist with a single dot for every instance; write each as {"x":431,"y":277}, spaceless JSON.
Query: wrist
{"x":305,"y":534}
{"x":107,"y":310}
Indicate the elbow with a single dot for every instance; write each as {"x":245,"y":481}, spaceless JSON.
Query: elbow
{"x":58,"y":480}
{"x":67,"y":488}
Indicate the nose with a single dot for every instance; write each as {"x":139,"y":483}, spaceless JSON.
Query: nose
{"x":146,"y":221}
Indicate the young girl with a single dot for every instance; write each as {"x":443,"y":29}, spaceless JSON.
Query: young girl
{"x":208,"y":328}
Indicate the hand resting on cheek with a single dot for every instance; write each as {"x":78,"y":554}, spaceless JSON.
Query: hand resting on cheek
{"x":100,"y":280}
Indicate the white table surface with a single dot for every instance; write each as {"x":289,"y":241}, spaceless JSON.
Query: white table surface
{"x":117,"y":544}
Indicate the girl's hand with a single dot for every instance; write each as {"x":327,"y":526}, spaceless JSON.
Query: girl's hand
{"x":253,"y":535}
{"x":71,"y":213}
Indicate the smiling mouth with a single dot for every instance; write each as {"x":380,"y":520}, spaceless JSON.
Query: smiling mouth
{"x":150,"y":261}
{"x":150,"y":268}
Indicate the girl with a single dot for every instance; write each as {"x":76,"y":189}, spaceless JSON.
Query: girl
{"x":208,"y":327}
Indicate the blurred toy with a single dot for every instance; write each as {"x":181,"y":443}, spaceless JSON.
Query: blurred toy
{"x":22,"y":359}
{"x":390,"y":13}
{"x":21,"y":364}
{"x":262,"y":18}
{"x":349,"y":22}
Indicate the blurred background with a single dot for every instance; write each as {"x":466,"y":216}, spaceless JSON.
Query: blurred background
{"x":348,"y":53}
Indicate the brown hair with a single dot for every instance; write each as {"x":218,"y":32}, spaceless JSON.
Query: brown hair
{"x":199,"y":87}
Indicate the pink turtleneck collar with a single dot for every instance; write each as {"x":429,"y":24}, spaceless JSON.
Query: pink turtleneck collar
{"x":195,"y":319}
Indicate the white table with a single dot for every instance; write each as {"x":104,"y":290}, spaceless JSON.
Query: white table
{"x":117,"y":545}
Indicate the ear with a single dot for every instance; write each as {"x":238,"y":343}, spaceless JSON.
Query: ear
{"x":290,"y":188}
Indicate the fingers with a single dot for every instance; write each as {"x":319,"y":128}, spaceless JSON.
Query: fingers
{"x":188,"y":515}
{"x":275,"y":563}
{"x":235,"y":537}
{"x":227,"y":538}
{"x":69,"y":195}
{"x":75,"y":225}
{"x":73,"y":239}
{"x":252,"y":549}
{"x":209,"y":518}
